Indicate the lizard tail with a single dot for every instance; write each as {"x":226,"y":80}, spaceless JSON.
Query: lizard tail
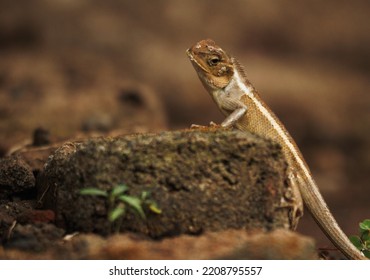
{"x":320,"y":212}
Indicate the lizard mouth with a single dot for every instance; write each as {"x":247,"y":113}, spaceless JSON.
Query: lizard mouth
{"x":189,"y":54}
{"x":194,"y":61}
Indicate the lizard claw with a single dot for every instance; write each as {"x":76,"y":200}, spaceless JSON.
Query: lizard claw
{"x":197,"y":126}
{"x":211,"y":125}
{"x":214,"y":125}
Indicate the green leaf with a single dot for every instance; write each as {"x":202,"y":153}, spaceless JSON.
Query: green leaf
{"x":93,"y":191}
{"x":367,"y":245}
{"x":365,"y":224}
{"x":154,"y":208}
{"x":367,"y":253}
{"x":118,"y":190}
{"x":357,"y":242}
{"x":134,"y":202}
{"x":365,"y":236}
{"x":145,"y":195}
{"x":116,"y":213}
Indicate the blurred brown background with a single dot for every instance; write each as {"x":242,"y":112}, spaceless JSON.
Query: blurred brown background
{"x":61,"y":61}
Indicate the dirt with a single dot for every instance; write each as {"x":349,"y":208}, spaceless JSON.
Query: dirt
{"x":16,"y":177}
{"x":71,"y":71}
{"x":228,"y":244}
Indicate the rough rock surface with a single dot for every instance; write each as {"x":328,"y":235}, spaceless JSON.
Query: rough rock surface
{"x":33,"y":237}
{"x":202,"y":180}
{"x":16,"y":177}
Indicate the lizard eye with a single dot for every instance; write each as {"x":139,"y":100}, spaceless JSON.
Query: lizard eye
{"x":213,"y":61}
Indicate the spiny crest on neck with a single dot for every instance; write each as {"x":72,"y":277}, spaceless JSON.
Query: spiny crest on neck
{"x":241,"y":71}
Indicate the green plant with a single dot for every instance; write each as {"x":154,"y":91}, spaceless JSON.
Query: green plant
{"x":119,"y":202}
{"x":362,"y":242}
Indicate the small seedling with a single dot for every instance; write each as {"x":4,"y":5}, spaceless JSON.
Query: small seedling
{"x":362,"y":242}
{"x":150,"y":203}
{"x":119,"y":202}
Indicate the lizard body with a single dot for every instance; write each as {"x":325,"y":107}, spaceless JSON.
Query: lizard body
{"x":225,"y":80}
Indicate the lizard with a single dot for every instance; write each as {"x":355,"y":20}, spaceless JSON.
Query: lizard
{"x":225,"y":80}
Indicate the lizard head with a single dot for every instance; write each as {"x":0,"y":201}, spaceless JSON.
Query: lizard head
{"x":214,"y":67}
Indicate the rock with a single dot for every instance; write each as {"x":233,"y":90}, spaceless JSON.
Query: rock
{"x":33,"y":237}
{"x":9,"y":212}
{"x":6,"y":222}
{"x":201,"y":180}
{"x":16,"y":177}
{"x":41,"y":137}
{"x":139,"y":108}
{"x":33,"y":216}
{"x":36,"y":157}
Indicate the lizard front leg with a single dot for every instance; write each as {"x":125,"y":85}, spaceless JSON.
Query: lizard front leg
{"x":234,"y":110}
{"x":234,"y":117}
{"x":238,"y":110}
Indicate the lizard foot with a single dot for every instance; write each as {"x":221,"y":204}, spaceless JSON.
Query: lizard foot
{"x":212,"y":125}
{"x":197,"y":126}
{"x":295,"y":212}
{"x":293,"y":201}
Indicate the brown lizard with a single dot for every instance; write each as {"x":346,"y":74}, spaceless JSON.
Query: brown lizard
{"x":225,"y":80}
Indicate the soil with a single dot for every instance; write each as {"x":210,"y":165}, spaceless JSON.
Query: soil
{"x":229,"y":244}
{"x":72,"y":71}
